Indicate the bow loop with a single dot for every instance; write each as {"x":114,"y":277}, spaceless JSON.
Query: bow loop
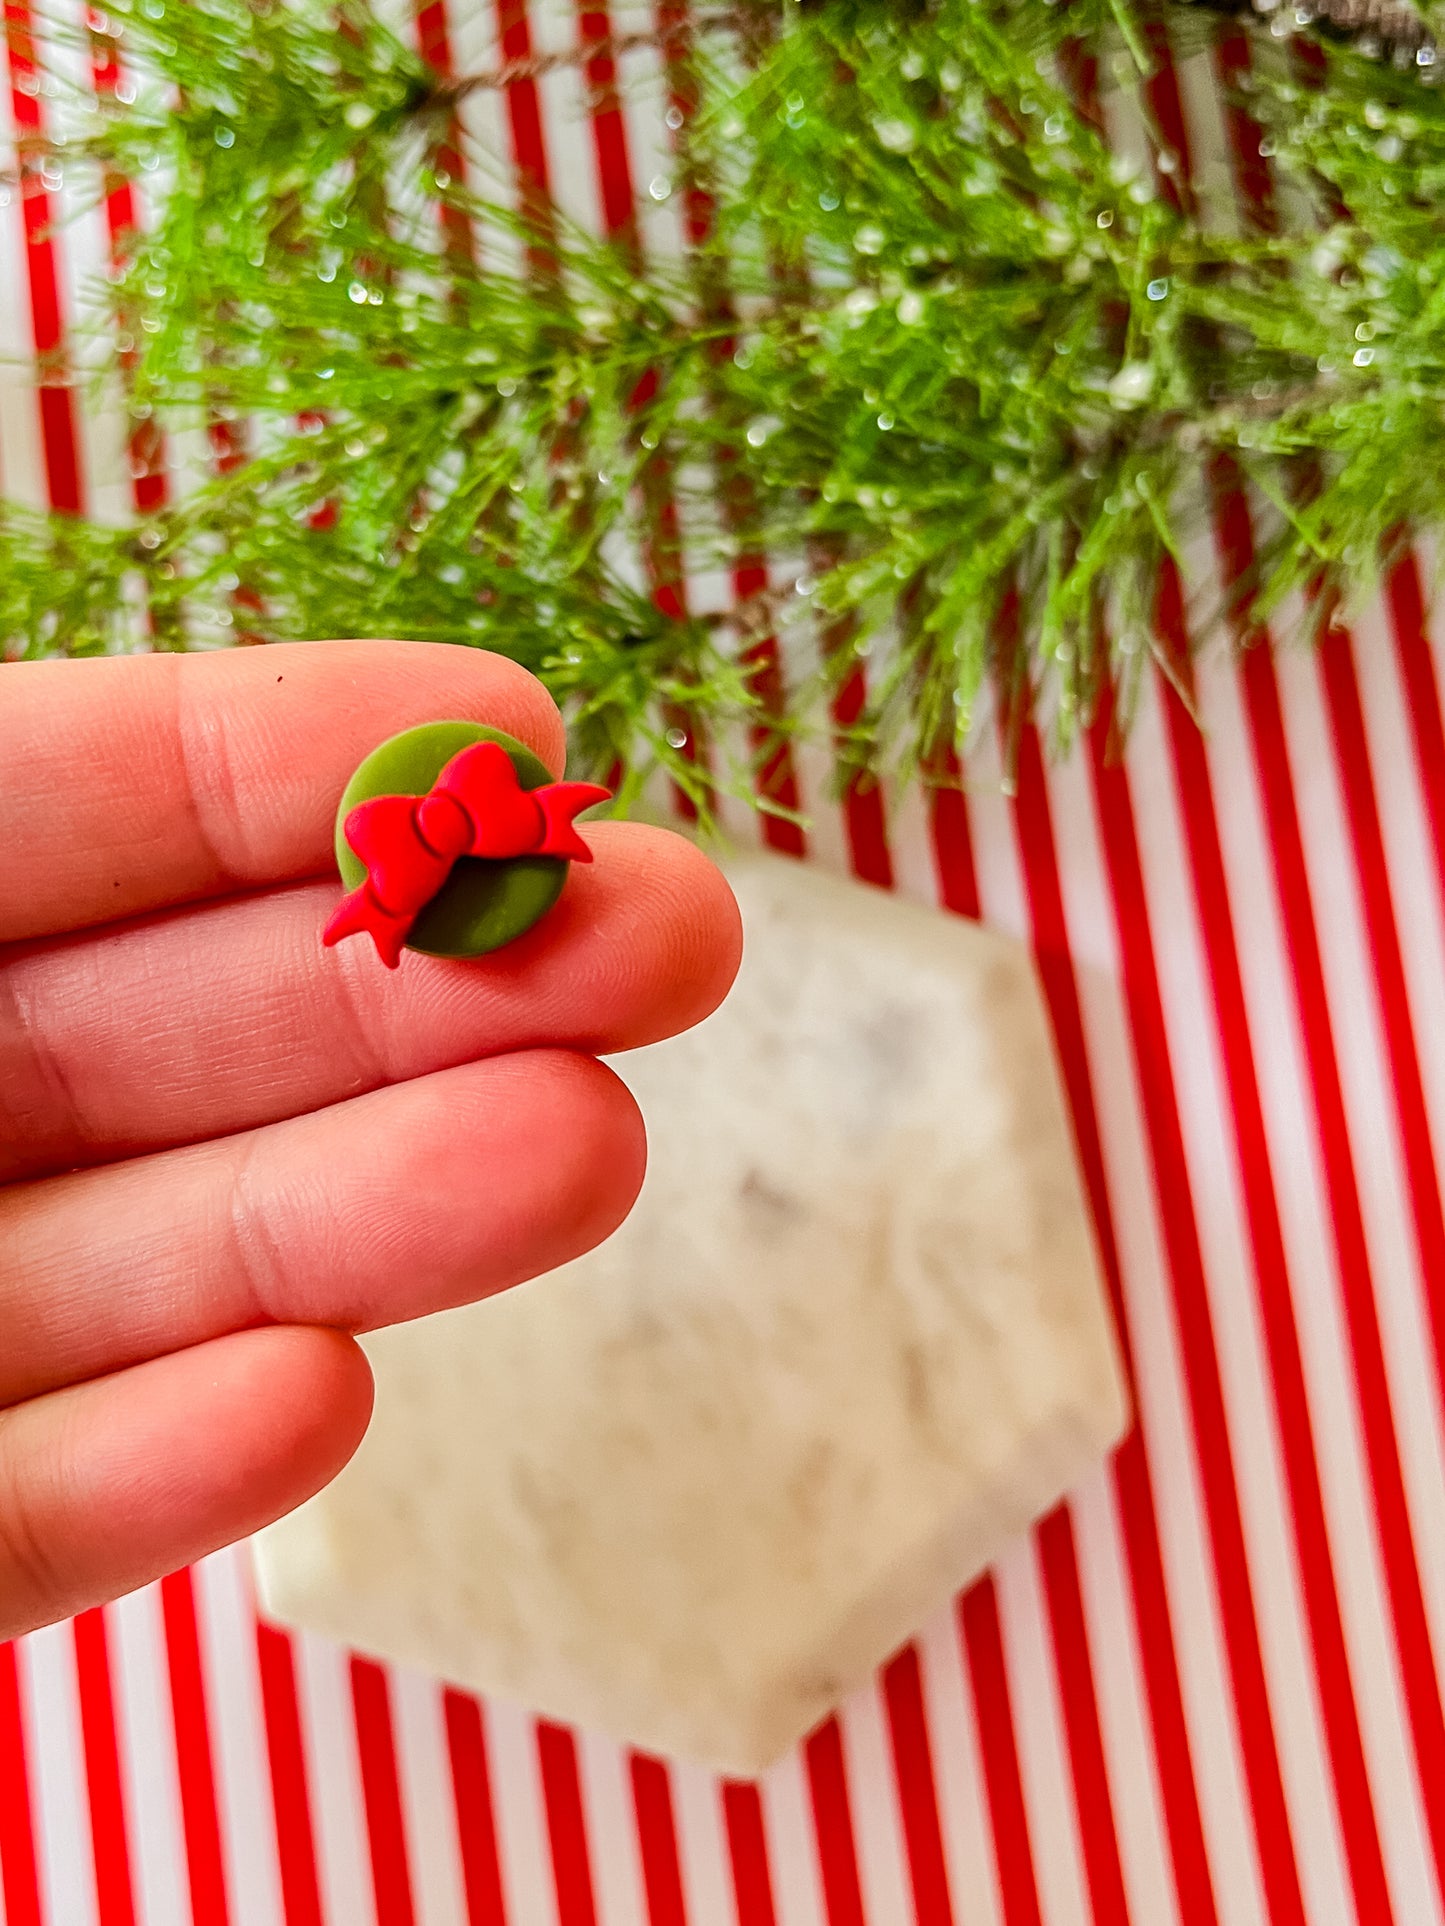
{"x":476,"y":807}
{"x":506,"y":818}
{"x":385,"y":835}
{"x":557,"y":804}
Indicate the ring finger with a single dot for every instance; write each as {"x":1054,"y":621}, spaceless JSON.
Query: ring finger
{"x":404,"y":1201}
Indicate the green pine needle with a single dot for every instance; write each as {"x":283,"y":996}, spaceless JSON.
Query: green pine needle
{"x":941,"y":356}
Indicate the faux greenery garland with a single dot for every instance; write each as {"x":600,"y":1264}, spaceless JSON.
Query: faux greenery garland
{"x":938,"y":349}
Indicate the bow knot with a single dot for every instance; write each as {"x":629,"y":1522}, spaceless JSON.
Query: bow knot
{"x":476,"y":807}
{"x":444,"y":825}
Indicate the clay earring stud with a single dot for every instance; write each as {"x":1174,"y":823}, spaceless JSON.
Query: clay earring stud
{"x":453,"y":839}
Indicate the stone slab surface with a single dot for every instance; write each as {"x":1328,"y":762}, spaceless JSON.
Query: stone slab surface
{"x":694,"y":1487}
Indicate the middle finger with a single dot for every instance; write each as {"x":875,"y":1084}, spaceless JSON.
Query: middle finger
{"x":222,"y":1017}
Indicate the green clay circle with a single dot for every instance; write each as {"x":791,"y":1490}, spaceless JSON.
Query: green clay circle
{"x":483,"y":903}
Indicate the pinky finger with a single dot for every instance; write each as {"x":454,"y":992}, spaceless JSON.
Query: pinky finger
{"x":106,"y":1485}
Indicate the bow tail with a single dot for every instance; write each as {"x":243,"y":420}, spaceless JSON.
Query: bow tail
{"x":559,"y":803}
{"x":361,"y":914}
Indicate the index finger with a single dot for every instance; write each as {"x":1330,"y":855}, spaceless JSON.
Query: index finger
{"x":131,"y":782}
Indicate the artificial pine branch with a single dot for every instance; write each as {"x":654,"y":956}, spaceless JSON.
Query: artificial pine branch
{"x":1393,"y":30}
{"x":940,"y":353}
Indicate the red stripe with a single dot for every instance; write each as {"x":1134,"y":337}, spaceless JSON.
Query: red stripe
{"x":381,"y":1794}
{"x":917,"y":1792}
{"x":953,"y":845}
{"x":199,"y":1817}
{"x":1261,"y":1761}
{"x":476,"y":1821}
{"x":1132,"y":1478}
{"x":775,"y":779}
{"x":290,"y":1798}
{"x":863,"y":811}
{"x":566,"y":1826}
{"x":1411,"y":1627}
{"x":748,"y":1850}
{"x":57,"y":413}
{"x":1193,"y":1877}
{"x":432,"y":40}
{"x":983,"y":1645}
{"x":1167,"y":110}
{"x":657,"y":1839}
{"x":1133,"y":1481}
{"x":147,"y":443}
{"x":228,"y":444}
{"x":1235,"y":542}
{"x":114,"y":1895}
{"x":1352,"y":757}
{"x":1338,"y":1701}
{"x":1201,"y":1365}
{"x":19,"y":1875}
{"x":1422,"y":698}
{"x":1243,"y":132}
{"x":524,"y":114}
{"x":833,"y":1825}
{"x":1075,"y":1671}
{"x":661,"y":536}
{"x":872,"y":862}
{"x":1337,"y":1698}
{"x":556,"y":1750}
{"x":674,"y":29}
{"x":114,"y":1898}
{"x":609,"y":134}
{"x":958,"y":886}
{"x":434,"y":45}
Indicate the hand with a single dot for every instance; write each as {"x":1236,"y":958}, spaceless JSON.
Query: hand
{"x":225,"y":1149}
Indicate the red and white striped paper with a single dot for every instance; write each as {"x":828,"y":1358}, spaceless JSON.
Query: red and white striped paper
{"x":1206,"y":1689}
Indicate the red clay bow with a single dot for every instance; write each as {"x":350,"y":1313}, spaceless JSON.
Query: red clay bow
{"x":476,"y":807}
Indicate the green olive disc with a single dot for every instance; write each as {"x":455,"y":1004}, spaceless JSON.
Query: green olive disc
{"x":484,"y":903}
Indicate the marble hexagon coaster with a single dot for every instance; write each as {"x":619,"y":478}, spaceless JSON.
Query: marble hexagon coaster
{"x":692,"y":1488}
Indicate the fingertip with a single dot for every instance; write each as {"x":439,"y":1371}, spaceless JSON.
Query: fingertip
{"x":709,"y":927}
{"x":674,"y":933}
{"x":294,"y":1402}
{"x":576,"y":1154}
{"x":334,"y":1373}
{"x":608,"y":1158}
{"x":456,"y":1186}
{"x":108,"y":1484}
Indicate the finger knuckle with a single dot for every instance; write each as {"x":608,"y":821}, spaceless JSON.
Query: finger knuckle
{"x":40,"y":1117}
{"x":33,"y":1580}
